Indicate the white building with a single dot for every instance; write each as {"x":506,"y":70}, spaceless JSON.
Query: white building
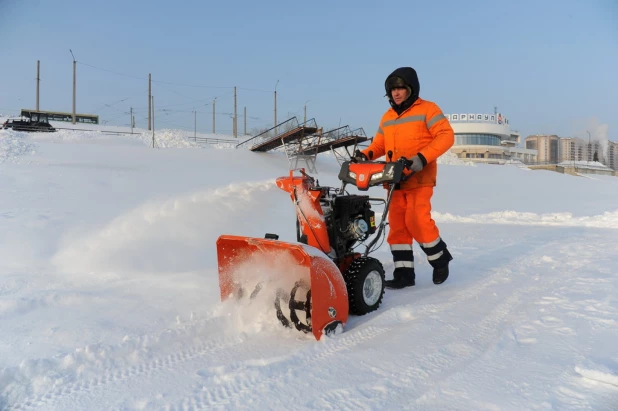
{"x":553,"y":149}
{"x":487,"y":138}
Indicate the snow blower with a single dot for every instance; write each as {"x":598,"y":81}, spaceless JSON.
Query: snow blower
{"x":321,"y":278}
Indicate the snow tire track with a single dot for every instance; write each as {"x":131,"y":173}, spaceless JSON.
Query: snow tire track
{"x":296,"y":364}
{"x":207,"y":350}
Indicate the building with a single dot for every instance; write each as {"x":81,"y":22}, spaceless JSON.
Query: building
{"x":547,"y":147}
{"x":612,"y":155}
{"x":487,"y":138}
{"x":553,"y":149}
{"x":570,"y":149}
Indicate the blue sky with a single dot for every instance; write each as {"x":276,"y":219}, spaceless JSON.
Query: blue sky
{"x":548,"y":65}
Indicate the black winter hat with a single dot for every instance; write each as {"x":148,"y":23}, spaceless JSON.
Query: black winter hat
{"x":395,"y":82}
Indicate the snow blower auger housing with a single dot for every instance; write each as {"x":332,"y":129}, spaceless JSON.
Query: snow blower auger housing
{"x":320,"y":279}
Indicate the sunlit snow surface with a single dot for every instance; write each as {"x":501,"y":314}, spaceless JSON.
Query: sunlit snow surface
{"x":109,"y":295}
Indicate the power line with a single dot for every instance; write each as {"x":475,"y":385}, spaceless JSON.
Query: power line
{"x":252,"y":89}
{"x":154,"y":81}
{"x":182,"y":95}
{"x":114,"y":72}
{"x":182,"y":111}
{"x":170,"y":105}
{"x":218,"y":98}
{"x":170,"y":82}
{"x":114,"y":118}
{"x":118,"y":101}
{"x":188,"y":85}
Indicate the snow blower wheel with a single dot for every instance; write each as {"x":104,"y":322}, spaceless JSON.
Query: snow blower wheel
{"x":365,"y":283}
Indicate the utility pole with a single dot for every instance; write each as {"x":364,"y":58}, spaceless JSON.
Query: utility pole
{"x":275,"y":125}
{"x":245,"y":116}
{"x":38,"y":80}
{"x":149,"y":99}
{"x":153,"y":128}
{"x":306,"y":111}
{"x":195,"y":125}
{"x":74,"y":83}
{"x":235,"y":115}
{"x":131,"y":119}
{"x":214,"y":102}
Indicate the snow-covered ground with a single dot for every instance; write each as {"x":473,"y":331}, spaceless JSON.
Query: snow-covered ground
{"x":109,"y":293}
{"x":594,"y":165}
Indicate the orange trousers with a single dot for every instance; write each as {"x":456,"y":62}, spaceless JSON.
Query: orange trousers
{"x":409,"y":217}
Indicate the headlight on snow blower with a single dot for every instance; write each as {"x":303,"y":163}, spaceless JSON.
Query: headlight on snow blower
{"x":352,"y":174}
{"x":388,"y":175}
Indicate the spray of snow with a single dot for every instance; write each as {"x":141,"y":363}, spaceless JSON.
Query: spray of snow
{"x":591,"y":129}
{"x":166,"y":236}
{"x":599,"y":133}
{"x":264,"y":277}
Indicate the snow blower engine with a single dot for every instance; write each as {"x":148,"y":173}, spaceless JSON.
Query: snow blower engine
{"x":322,"y":277}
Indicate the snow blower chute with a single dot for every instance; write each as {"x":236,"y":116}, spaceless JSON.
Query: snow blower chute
{"x":316,"y":282}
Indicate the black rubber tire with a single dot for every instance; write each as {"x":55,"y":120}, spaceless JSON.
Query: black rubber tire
{"x":355,"y":278}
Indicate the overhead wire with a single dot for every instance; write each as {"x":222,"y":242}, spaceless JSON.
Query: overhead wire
{"x":171,"y":82}
{"x":161,"y":83}
{"x":118,"y":101}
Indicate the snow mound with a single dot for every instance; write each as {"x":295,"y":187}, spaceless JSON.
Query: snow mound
{"x":68,"y":135}
{"x":168,"y":138}
{"x":452,"y":159}
{"x":585,"y":164}
{"x":608,"y":220}
{"x":14,"y":144}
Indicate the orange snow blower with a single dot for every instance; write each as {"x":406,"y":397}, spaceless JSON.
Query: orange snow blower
{"x":320,"y":279}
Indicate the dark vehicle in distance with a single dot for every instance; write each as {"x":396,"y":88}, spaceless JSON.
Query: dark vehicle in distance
{"x":32,"y":121}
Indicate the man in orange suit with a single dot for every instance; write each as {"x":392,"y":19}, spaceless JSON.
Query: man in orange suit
{"x":417,"y":130}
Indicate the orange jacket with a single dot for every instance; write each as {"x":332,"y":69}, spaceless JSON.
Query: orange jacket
{"x":423,"y":129}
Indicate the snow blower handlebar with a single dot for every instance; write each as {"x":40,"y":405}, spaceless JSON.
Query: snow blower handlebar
{"x":365,"y":174}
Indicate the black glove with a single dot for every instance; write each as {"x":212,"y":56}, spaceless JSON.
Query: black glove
{"x":358,"y":157}
{"x":407,"y":163}
{"x":415,"y":164}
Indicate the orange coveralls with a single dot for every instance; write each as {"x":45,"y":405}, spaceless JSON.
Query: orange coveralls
{"x":422,"y":128}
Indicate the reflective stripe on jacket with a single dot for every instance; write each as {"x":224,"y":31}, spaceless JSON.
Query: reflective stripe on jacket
{"x":420,"y":129}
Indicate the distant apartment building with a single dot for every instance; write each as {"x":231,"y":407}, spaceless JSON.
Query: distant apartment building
{"x":553,"y":149}
{"x":547,"y":147}
{"x":570,"y":149}
{"x":612,"y":155}
{"x":487,"y":138}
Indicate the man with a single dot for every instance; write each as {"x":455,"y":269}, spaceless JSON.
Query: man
{"x":417,"y":130}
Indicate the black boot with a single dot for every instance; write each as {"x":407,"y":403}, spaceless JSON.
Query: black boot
{"x":402,"y":277}
{"x":440,"y":267}
{"x":439,"y":257}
